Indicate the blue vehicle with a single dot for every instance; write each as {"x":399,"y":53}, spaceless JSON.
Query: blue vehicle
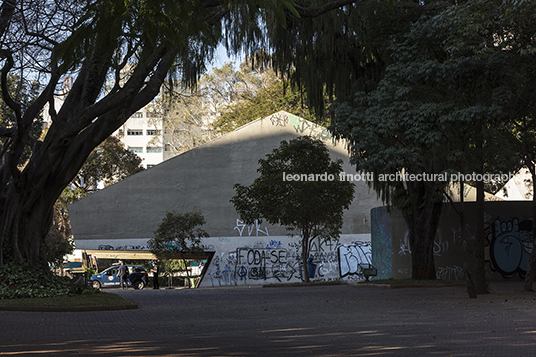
{"x":108,"y":278}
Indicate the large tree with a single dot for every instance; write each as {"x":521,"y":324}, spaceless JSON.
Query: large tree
{"x":345,"y":50}
{"x":438,"y":109}
{"x":224,"y":99}
{"x":107,"y":164}
{"x":299,"y":187}
{"x":189,"y":115}
{"x":277,"y":95}
{"x":179,"y":235}
{"x":519,"y":19}
{"x":128,"y":48}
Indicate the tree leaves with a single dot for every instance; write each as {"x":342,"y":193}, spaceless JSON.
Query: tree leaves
{"x":177,"y":234}
{"x":313,"y":203}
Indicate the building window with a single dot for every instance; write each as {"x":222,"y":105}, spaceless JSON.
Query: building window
{"x":135,"y":149}
{"x":134,"y":132}
{"x":154,"y":149}
{"x":153,"y":132}
{"x":137,"y":115}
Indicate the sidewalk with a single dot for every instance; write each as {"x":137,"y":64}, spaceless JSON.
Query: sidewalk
{"x":332,"y":320}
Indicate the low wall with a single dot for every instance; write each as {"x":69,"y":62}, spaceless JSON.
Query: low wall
{"x":508,"y":237}
{"x":277,"y":259}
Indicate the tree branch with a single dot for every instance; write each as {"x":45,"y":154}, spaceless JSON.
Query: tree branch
{"x":6,"y":14}
{"x":309,"y":12}
{"x":11,"y":103}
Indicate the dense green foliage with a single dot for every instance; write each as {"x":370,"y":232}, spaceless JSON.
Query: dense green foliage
{"x":311,"y":208}
{"x":108,"y":163}
{"x":27,"y":282}
{"x":178,"y":234}
{"x":444,"y":104}
{"x":344,"y":50}
{"x":119,"y":54}
{"x":279,"y":95}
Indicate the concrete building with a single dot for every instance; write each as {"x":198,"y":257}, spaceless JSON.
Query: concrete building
{"x":508,"y":240}
{"x":142,"y":135}
{"x":117,"y":221}
{"x":518,"y":188}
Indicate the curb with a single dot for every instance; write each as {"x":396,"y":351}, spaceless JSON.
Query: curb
{"x":405,"y":286}
{"x":68,"y":309}
{"x":312,"y":283}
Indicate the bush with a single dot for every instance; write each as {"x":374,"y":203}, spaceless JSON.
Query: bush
{"x":18,"y":282}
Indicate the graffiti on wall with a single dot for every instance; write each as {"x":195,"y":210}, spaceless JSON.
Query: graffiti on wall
{"x":122,"y":247}
{"x":272,"y":261}
{"x":353,"y":257}
{"x":263,"y":261}
{"x":302,"y":126}
{"x":440,"y":245}
{"x":510,"y":246}
{"x":450,"y":273}
{"x":250,"y":229}
{"x":404,"y":245}
{"x":381,"y":237}
{"x":279,"y":119}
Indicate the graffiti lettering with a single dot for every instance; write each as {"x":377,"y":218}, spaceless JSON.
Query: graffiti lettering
{"x":123,"y":247}
{"x":450,"y":273}
{"x":274,"y":244}
{"x":510,"y":247}
{"x":353,"y":256}
{"x":404,"y":245}
{"x":279,"y":120}
{"x":440,"y":246}
{"x":240,"y":225}
{"x":266,"y":260}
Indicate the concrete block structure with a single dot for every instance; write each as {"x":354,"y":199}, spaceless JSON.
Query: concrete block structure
{"x":508,"y":240}
{"x":118,"y":220}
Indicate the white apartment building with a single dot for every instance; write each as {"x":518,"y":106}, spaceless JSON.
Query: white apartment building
{"x":142,"y":135}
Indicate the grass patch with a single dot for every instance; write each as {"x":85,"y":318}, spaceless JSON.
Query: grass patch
{"x":98,"y":299}
{"x":415,"y":282}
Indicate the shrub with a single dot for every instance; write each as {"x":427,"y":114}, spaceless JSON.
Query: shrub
{"x":18,"y":282}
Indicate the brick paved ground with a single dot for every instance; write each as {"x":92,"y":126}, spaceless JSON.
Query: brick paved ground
{"x":318,"y":321}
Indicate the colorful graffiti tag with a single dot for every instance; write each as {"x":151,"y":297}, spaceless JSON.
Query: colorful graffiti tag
{"x":510,"y":247}
{"x":352,"y":257}
{"x":273,"y":261}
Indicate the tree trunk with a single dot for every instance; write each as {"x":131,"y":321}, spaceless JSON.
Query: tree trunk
{"x":187,"y":272}
{"x":27,"y":219}
{"x":422,"y":219}
{"x":468,"y":248}
{"x":305,"y":254}
{"x":531,"y":268}
{"x":27,"y":196}
{"x":479,"y":264}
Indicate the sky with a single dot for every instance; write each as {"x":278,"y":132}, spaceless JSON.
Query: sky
{"x":220,"y":58}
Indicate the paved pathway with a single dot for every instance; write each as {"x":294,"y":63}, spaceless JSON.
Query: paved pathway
{"x":337,"y":320}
